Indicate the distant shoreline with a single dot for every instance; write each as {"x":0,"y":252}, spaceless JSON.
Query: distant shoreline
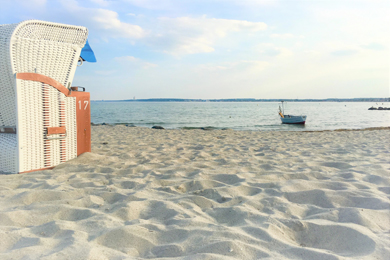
{"x":250,"y":100}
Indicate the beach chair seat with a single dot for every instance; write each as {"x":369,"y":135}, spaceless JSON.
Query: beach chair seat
{"x":38,"y":121}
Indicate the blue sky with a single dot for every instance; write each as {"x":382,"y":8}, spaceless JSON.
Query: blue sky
{"x":225,"y":48}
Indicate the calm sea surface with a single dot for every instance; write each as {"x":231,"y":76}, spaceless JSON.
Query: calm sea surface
{"x":241,"y":115}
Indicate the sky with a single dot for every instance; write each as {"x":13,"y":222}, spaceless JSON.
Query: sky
{"x":215,"y":49}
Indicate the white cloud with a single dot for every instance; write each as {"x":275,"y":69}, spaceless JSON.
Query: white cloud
{"x":253,"y":66}
{"x":358,"y":22}
{"x":108,"y":20}
{"x":134,"y":62}
{"x":344,"y":52}
{"x":270,"y":50}
{"x":31,"y":5}
{"x":237,"y":67}
{"x":186,"y":35}
{"x":152,"y":4}
{"x":171,"y":4}
{"x":105,"y":21}
{"x":32,"y":2}
{"x":251,"y":3}
{"x":312,"y":53}
{"x":282,"y":36}
{"x":284,"y":52}
{"x":337,"y":48}
{"x":101,"y":2}
{"x":374,"y":46}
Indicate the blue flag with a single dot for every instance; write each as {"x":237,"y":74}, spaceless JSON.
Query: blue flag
{"x":87,"y":53}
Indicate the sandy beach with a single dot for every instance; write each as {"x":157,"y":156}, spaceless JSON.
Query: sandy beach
{"x":194,"y":194}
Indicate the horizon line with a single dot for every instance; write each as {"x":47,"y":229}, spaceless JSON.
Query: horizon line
{"x":383,"y":99}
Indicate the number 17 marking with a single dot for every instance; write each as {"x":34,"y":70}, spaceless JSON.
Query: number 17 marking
{"x":85,"y":104}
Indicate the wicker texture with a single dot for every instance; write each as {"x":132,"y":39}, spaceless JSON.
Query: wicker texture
{"x":7,"y":80}
{"x":8,"y":160}
{"x":52,"y":50}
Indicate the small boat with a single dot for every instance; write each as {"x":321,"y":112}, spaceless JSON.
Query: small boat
{"x":290,"y":119}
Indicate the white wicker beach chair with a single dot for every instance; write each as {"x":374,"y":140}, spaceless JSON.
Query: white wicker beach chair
{"x":38,"y":128}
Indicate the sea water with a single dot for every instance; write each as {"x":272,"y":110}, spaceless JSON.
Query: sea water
{"x":241,"y":115}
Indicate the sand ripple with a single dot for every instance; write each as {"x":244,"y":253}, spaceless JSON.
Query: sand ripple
{"x":193,"y":194}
